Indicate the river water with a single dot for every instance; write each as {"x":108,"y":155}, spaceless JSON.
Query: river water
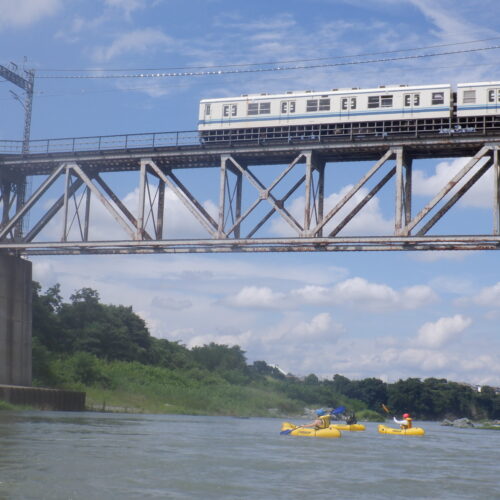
{"x":87,"y":456}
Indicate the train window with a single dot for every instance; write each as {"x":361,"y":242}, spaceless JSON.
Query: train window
{"x":353,"y":103}
{"x":264,"y":108}
{"x":437,"y":98}
{"x":292,"y":106}
{"x":469,"y":97}
{"x":416,"y":99}
{"x":386,"y":101}
{"x":253,"y":108}
{"x":324,"y":104}
{"x":226,"y":110}
{"x":207,"y":109}
{"x":374,"y":101}
{"x":407,"y":99}
{"x":284,"y":107}
{"x":259,"y":108}
{"x":344,"y":103}
{"x":312,"y":105}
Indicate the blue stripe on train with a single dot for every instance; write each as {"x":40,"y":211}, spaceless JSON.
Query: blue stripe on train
{"x":324,"y":115}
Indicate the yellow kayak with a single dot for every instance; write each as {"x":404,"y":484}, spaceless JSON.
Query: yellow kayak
{"x":349,"y":427}
{"x":414,"y":431}
{"x":297,"y":430}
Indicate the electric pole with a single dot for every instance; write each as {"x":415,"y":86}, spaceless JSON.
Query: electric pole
{"x":25,"y":83}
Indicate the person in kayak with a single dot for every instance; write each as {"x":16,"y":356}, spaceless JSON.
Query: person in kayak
{"x":406,"y":423}
{"x":322,"y":420}
{"x":351,"y":419}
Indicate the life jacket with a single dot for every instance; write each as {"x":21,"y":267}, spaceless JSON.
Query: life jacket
{"x":408,"y":424}
{"x":325,"y":422}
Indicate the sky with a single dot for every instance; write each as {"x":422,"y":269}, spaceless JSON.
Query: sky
{"x":389,"y":315}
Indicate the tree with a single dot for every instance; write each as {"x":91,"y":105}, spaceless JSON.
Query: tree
{"x":220,"y":357}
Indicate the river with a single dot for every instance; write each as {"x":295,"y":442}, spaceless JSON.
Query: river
{"x":98,"y":456}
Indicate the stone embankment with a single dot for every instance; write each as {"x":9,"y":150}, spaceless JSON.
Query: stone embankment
{"x":44,"y":399}
{"x":463,"y":423}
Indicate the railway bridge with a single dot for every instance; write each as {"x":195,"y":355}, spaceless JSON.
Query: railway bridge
{"x":48,"y":198}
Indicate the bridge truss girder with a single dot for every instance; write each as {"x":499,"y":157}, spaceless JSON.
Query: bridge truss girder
{"x":235,"y":225}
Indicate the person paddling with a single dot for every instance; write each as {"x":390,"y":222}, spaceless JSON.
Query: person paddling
{"x":322,"y":421}
{"x":406,"y":423}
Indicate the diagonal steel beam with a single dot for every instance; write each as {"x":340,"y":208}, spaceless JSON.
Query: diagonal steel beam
{"x":186,"y":198}
{"x":455,"y":198}
{"x":352,"y":192}
{"x":52,"y":211}
{"x":264,"y":194}
{"x":496,"y":192}
{"x":363,"y":202}
{"x":118,"y":218}
{"x":116,"y":200}
{"x":449,"y":186}
{"x":32,"y":200}
{"x":272,"y":211}
{"x":242,"y":217}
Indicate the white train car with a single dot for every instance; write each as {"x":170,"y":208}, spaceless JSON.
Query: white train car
{"x":478,"y":99}
{"x":297,"y":110}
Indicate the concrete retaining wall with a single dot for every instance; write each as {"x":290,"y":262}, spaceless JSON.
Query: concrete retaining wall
{"x":15,"y":321}
{"x":45,"y":399}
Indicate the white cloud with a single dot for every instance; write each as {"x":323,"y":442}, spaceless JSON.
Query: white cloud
{"x":127,"y":6}
{"x":26,"y":12}
{"x":319,"y":325}
{"x":480,"y":195}
{"x":139,"y":41}
{"x":437,"y":334}
{"x":489,"y":296}
{"x":361,"y":294}
{"x":253,"y":296}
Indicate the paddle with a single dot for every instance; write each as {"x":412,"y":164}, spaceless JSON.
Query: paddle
{"x":389,"y":412}
{"x":340,"y":409}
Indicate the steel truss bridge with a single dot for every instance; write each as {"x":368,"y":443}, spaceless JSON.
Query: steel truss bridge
{"x":56,"y":183}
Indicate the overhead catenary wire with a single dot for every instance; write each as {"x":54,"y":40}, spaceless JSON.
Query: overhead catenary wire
{"x":85,"y":91}
{"x":236,"y":65}
{"x":218,"y":72}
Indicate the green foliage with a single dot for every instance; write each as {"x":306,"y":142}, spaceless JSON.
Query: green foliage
{"x":108,"y":351}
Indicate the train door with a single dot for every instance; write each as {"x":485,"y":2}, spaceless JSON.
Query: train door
{"x":287,"y":110}
{"x":493,"y":101}
{"x":348,"y":106}
{"x":411,"y":103}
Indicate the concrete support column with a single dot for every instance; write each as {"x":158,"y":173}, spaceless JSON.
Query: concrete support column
{"x":15,"y":321}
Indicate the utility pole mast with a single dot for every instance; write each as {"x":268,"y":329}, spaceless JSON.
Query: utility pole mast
{"x":27,"y":84}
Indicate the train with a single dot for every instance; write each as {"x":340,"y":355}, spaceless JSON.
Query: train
{"x":352,"y":113}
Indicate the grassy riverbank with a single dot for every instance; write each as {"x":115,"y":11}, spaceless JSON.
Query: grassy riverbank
{"x":132,"y":386}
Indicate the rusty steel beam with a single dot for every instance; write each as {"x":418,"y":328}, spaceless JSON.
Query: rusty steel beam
{"x":236,"y":173}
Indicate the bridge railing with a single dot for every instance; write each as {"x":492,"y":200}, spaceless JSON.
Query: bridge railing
{"x":103,"y":142}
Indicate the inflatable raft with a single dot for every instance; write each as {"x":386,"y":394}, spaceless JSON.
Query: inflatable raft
{"x":349,"y":427}
{"x":414,"y":431}
{"x":297,"y":430}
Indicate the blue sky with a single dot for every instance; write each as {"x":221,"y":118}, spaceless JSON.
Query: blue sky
{"x":388,"y":315}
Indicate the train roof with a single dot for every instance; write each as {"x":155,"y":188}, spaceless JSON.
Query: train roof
{"x":478,"y":84}
{"x":339,"y":91}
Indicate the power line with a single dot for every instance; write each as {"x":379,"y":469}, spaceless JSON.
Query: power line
{"x":262,"y":70}
{"x":369,"y":54}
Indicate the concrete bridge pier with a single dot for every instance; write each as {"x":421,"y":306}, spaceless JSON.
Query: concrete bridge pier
{"x":15,"y":321}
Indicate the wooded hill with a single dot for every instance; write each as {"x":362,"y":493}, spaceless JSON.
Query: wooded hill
{"x":108,"y":351}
